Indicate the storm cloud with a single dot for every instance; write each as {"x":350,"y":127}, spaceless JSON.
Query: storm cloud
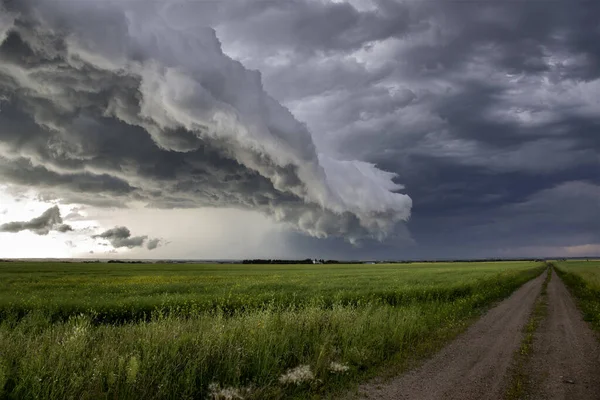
{"x":319,"y":114}
{"x":479,"y":107}
{"x":50,"y":220}
{"x":159,"y":115}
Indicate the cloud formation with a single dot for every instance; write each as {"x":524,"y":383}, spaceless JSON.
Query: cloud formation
{"x":153,"y":244}
{"x":120,"y":236}
{"x":50,"y":220}
{"x":160,"y":115}
{"x":478,"y":108}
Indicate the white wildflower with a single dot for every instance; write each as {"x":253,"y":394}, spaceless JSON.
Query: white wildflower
{"x":297,"y":375}
{"x":338,"y":368}
{"x":227,"y":393}
{"x":79,"y":330}
{"x":80,"y":325}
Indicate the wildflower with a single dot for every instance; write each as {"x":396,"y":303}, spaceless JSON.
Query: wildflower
{"x":80,"y":327}
{"x":227,"y":393}
{"x":338,"y":368}
{"x":79,"y":330}
{"x":297,"y":375}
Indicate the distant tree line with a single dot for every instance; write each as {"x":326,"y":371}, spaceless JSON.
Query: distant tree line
{"x":304,"y":261}
{"x":266,"y":261}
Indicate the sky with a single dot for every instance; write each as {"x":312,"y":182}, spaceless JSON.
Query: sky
{"x":360,"y":129}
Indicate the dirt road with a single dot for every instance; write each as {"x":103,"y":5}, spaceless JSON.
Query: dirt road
{"x":475,"y":365}
{"x":565,"y":361}
{"x":566,"y":356}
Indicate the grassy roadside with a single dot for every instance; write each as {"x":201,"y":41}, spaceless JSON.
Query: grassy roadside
{"x":520,"y":381}
{"x":277,"y":350}
{"x":583,"y":280}
{"x":403,"y":362}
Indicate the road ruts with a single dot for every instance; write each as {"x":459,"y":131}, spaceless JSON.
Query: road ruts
{"x":565,"y":361}
{"x":473,"y":366}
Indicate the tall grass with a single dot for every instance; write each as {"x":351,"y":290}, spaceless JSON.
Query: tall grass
{"x":583,"y":279}
{"x":318,"y":339}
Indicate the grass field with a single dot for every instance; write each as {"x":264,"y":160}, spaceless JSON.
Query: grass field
{"x":180,"y":331}
{"x":583,"y":278}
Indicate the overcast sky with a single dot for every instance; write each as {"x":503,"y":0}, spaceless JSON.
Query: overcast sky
{"x":304,"y":128}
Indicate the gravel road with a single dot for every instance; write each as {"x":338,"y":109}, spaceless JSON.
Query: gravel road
{"x":473,"y":366}
{"x":566,"y":355}
{"x":564,"y":363}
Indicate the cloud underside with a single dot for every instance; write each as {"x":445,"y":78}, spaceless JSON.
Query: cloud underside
{"x":144,"y":112}
{"x":50,"y":220}
{"x":483,"y":108}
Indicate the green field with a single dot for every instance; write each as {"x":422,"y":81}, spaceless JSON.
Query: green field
{"x":583,"y":279}
{"x":182,"y":331}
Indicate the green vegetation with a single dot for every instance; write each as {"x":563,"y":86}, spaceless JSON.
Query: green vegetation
{"x":583,"y":279}
{"x":93,"y":331}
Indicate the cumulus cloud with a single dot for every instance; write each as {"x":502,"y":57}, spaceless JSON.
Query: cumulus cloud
{"x":154,"y":243}
{"x":120,"y":236}
{"x":117,"y":103}
{"x":50,"y":220}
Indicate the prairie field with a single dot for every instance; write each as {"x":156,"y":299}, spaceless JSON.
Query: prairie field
{"x":189,"y":331}
{"x":583,"y":279}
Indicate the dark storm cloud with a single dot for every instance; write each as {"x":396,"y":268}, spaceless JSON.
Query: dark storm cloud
{"x":50,"y":220}
{"x":305,"y":26}
{"x":479,"y":107}
{"x":564,"y":215}
{"x":549,"y":220}
{"x":105,"y":108}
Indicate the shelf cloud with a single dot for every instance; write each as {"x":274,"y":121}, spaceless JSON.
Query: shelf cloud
{"x":159,"y":115}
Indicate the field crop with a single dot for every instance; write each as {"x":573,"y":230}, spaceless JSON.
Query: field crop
{"x":182,"y":331}
{"x":583,"y":278}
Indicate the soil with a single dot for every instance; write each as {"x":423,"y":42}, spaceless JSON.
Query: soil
{"x":566,"y":355}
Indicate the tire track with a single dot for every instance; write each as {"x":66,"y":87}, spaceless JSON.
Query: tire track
{"x":473,"y":366}
{"x":565,"y":362}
